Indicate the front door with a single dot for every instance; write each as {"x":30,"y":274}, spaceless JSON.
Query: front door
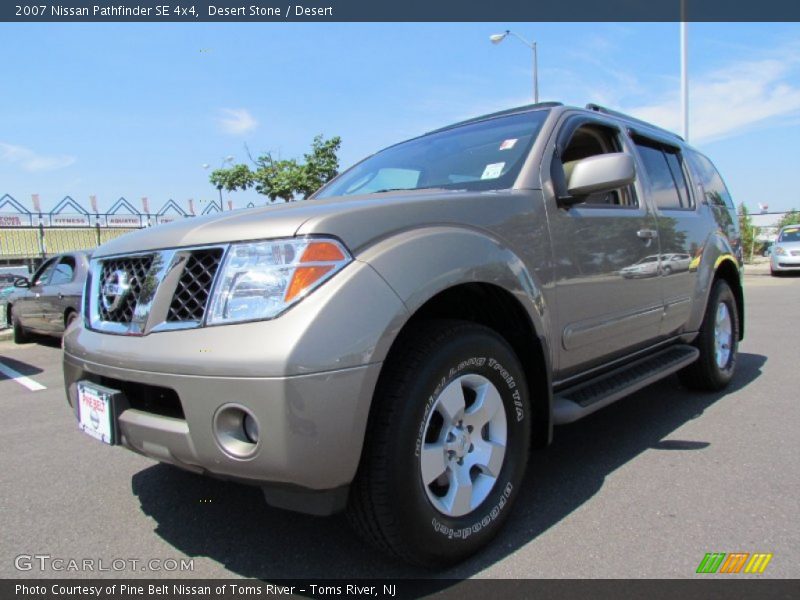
{"x":605,"y":254}
{"x":30,"y":306}
{"x":53,"y":299}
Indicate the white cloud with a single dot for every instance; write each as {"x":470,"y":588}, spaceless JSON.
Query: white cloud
{"x":32,"y":161}
{"x":237,"y":121}
{"x":732,"y":99}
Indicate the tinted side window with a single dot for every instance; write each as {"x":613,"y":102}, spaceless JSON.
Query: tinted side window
{"x":667,"y":181}
{"x":64,"y":271}
{"x":678,"y":176}
{"x":709,"y":179}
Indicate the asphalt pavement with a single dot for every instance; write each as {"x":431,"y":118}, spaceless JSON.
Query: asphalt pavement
{"x":642,"y":489}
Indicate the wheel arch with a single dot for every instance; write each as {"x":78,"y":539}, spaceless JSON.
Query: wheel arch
{"x":728,"y":271}
{"x":498,"y":309}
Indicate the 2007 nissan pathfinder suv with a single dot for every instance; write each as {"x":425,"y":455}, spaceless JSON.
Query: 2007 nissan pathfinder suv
{"x":396,"y":344}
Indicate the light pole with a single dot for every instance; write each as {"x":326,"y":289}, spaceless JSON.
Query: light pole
{"x":499,"y":37}
{"x":223,"y":162}
{"x":684,"y":72}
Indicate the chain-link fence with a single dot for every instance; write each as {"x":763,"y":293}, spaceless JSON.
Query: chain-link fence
{"x":24,"y":243}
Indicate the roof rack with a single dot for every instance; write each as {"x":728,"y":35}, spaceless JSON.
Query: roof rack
{"x":502,"y":113}
{"x":622,"y":115}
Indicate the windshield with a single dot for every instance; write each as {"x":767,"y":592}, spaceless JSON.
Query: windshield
{"x":790,"y":235}
{"x":486,"y":155}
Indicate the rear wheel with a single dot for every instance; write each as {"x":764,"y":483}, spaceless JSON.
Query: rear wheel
{"x":20,"y":335}
{"x":446,"y":446}
{"x":718,"y":342}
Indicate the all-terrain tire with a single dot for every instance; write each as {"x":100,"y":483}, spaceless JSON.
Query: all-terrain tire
{"x":714,"y":369}
{"x":390,"y":503}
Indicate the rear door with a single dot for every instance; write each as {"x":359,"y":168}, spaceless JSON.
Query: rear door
{"x":682,"y":226}
{"x":608,"y":296}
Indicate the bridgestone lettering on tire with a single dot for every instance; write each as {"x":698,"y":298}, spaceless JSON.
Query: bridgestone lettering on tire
{"x":718,"y":342}
{"x":446,"y":446}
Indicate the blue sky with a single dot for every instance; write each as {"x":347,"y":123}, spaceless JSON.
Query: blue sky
{"x":135,"y":110}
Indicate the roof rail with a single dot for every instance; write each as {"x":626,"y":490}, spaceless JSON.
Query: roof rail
{"x":502,"y":113}
{"x":622,"y":115}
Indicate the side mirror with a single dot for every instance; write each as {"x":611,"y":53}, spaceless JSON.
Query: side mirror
{"x":602,"y":173}
{"x":22,"y":282}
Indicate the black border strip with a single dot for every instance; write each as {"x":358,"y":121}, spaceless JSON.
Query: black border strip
{"x":703,"y":588}
{"x":398,"y":11}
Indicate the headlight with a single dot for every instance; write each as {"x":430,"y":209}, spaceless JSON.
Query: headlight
{"x":780,"y":251}
{"x":260,"y":280}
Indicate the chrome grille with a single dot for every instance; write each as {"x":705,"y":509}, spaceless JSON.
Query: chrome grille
{"x":194,"y":287}
{"x":136,"y":269}
{"x":795,"y":252}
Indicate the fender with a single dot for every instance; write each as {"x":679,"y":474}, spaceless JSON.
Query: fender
{"x":421,"y":263}
{"x":716,"y":251}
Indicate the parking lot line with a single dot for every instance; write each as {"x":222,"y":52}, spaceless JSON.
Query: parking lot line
{"x":21,"y":379}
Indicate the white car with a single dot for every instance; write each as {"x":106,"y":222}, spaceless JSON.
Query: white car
{"x":646,"y":267}
{"x":785,"y":256}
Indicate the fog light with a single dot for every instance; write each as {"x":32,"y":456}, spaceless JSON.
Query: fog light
{"x":236,"y":431}
{"x":250,"y":428}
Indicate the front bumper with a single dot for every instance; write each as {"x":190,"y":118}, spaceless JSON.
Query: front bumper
{"x":311,"y":426}
{"x":307,"y":378}
{"x":784,"y":263}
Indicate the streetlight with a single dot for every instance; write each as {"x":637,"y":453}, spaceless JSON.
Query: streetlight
{"x":223,"y":162}
{"x":499,"y":37}
{"x":684,"y":73}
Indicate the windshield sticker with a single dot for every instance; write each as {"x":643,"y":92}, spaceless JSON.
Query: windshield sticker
{"x":792,"y":230}
{"x":508,"y":144}
{"x":493,"y":170}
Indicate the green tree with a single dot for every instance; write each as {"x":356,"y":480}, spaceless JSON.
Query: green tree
{"x":747,"y":231}
{"x":238,"y":177}
{"x":790,"y":218}
{"x":284,"y":178}
{"x":321,"y":165}
{"x":277,"y":178}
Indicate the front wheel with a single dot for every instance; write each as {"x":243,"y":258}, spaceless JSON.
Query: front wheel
{"x":20,"y":335}
{"x":446,"y":446}
{"x":718,"y":342}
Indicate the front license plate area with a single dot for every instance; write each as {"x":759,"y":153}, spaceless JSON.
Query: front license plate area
{"x":96,"y":411}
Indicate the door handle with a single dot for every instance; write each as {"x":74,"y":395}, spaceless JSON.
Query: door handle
{"x":647,"y":234}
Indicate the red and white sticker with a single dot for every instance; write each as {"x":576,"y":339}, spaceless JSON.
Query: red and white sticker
{"x":508,"y":144}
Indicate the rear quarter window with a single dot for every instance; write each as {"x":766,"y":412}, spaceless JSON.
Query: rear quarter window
{"x":709,"y":181}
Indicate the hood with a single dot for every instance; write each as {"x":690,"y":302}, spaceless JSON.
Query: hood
{"x":356,"y":220}
{"x":279,"y":220}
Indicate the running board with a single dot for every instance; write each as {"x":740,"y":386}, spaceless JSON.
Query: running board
{"x":576,"y":402}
